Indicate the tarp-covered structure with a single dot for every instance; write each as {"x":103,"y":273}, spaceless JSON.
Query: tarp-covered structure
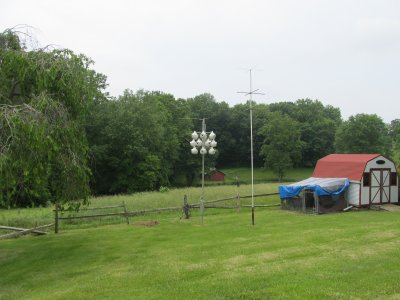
{"x":373,"y":177}
{"x":320,"y":195}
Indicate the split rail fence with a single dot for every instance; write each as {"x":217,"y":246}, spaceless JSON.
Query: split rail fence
{"x":23,"y":231}
{"x":59,"y":215}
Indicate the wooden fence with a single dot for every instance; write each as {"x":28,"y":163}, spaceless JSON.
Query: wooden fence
{"x":205,"y":204}
{"x":58,"y":214}
{"x":23,"y":231}
{"x":186,"y":209}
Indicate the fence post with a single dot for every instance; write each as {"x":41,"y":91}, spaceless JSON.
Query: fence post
{"x":202,"y":211}
{"x":238,"y":203}
{"x":126,"y":212}
{"x":186,"y":207}
{"x":237,"y":195}
{"x":56,"y":219}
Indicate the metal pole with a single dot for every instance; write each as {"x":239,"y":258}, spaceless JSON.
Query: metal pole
{"x":251,"y":92}
{"x":203,"y":129}
{"x":251,"y":149}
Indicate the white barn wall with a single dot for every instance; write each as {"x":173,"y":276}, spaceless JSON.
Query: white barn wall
{"x":365,"y":195}
{"x":387,"y":165}
{"x":373,"y":165}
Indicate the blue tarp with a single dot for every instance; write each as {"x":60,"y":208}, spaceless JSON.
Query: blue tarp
{"x":320,"y":186}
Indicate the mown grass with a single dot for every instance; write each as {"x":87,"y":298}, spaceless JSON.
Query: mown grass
{"x":285,"y":255}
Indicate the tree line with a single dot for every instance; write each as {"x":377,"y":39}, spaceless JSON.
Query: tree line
{"x":62,"y":137}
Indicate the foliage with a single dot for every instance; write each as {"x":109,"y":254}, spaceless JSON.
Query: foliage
{"x":135,"y":141}
{"x":219,"y":120}
{"x":282,"y":145}
{"x":394,"y":133}
{"x":44,"y":158}
{"x":44,"y":96}
{"x":317,"y":124}
{"x":164,"y":189}
{"x":363,"y":133}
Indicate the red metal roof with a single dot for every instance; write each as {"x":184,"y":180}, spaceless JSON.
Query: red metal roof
{"x":349,"y":166}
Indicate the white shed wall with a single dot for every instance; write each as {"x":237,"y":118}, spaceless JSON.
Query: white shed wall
{"x":365,"y":195}
{"x":353,"y":193}
{"x":387,"y":165}
{"x":394,"y":194}
{"x":373,"y":165}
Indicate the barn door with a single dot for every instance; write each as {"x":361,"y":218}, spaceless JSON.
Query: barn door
{"x":380,"y":186}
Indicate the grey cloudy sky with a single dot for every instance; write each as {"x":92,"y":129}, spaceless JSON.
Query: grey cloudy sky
{"x":344,"y":53}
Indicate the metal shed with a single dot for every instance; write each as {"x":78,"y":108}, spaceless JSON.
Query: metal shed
{"x":373,"y":177}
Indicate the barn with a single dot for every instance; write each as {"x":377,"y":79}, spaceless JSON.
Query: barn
{"x":373,"y":177}
{"x":343,"y":180}
{"x":216,"y":175}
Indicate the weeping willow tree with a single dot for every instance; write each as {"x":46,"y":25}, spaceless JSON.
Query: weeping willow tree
{"x":45,"y":95}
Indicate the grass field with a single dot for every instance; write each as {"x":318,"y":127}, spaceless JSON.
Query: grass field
{"x":261,"y":175}
{"x":138,"y":201}
{"x":174,"y":197}
{"x":264,"y":175}
{"x":285,"y":255}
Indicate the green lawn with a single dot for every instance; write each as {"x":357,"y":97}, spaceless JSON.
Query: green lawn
{"x":285,"y":255}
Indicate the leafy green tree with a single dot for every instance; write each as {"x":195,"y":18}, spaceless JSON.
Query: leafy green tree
{"x":363,"y":133}
{"x":394,"y":132}
{"x":44,"y":97}
{"x":136,"y":141}
{"x":218,"y":119}
{"x":240,"y":133}
{"x":317,"y":124}
{"x":282,"y":145}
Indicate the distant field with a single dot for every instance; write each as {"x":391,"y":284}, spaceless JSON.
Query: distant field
{"x":261,"y":175}
{"x":139,"y":201}
{"x":264,"y":175}
{"x":264,"y":180}
{"x":286,"y":255}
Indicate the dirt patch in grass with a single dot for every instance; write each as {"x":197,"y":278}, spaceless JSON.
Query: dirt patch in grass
{"x":146,"y":223}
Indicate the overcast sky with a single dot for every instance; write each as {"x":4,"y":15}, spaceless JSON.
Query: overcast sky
{"x":345,"y":53}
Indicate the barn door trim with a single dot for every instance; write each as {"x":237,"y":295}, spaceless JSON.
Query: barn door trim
{"x":382,"y":189}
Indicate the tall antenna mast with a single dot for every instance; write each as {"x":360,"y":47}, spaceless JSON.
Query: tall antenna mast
{"x":251,"y":92}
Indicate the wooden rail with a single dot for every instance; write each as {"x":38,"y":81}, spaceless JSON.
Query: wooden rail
{"x":260,"y":195}
{"x":155,"y":210}
{"x":57,"y":213}
{"x":21,"y":229}
{"x":262,"y":205}
{"x":92,"y":216}
{"x":233,"y":198}
{"x":24,"y":231}
{"x":205,"y":204}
